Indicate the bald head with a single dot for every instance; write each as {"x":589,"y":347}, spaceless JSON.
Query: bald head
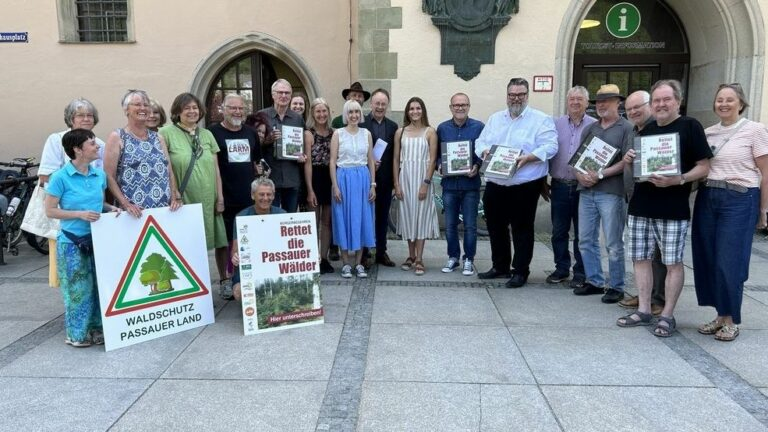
{"x":638,"y":108}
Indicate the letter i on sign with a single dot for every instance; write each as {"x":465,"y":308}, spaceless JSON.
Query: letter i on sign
{"x":623,"y":20}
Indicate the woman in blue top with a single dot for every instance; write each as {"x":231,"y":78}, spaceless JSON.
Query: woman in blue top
{"x":76,"y":197}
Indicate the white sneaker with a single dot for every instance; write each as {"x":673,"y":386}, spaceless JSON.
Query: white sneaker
{"x":346,"y":271}
{"x":469,"y":268}
{"x":450,"y":265}
{"x":360,"y":270}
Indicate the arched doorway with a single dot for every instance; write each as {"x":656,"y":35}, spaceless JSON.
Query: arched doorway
{"x":630,"y":44}
{"x":250,"y":75}
{"x":248,"y":65}
{"x":726,"y":41}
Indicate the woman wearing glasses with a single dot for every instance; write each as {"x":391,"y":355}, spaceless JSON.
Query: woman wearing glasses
{"x":136,"y":161}
{"x":728,"y":205}
{"x":193,"y":157}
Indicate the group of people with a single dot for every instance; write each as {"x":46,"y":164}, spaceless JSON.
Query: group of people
{"x":352,"y":165}
{"x":728,"y":164}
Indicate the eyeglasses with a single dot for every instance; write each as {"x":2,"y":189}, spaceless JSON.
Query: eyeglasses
{"x":139,"y":104}
{"x":232,"y":108}
{"x":460,"y":106}
{"x":734,"y":86}
{"x":84,"y":115}
{"x":282,"y":93}
{"x":636,"y":107}
{"x":517,"y":95}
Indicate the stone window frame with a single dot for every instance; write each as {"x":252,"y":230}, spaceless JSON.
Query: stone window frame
{"x":68,"y":25}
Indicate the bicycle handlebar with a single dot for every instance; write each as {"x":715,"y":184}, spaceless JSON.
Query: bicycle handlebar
{"x":20,"y":163}
{"x":17,"y":180}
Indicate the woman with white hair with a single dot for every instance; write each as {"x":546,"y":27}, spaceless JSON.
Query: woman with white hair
{"x":354,"y":191}
{"x":136,"y":161}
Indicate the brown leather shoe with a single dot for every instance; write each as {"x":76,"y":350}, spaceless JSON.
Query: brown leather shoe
{"x":630,"y":302}
{"x":384,"y":260}
{"x":656,"y":309}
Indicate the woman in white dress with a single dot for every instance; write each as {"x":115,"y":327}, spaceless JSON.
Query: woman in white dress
{"x":415,"y":153}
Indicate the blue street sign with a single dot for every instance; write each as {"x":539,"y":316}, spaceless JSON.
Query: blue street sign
{"x":14,"y":37}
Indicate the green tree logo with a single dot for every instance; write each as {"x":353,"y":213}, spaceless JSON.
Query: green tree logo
{"x":157,"y":272}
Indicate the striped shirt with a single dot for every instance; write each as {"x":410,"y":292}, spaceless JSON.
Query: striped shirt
{"x":735,"y":159}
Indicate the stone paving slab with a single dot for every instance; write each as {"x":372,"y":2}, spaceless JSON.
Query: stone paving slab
{"x":225,"y":405}
{"x":761,"y":297}
{"x":607,"y":356}
{"x":54,"y":358}
{"x":222,"y":352}
{"x":638,"y":409}
{"x":746,"y":355}
{"x":29,"y":301}
{"x":434,"y":305}
{"x":407,"y":406}
{"x":515,"y":407}
{"x":439,"y":353}
{"x":65,"y":404}
{"x":534,"y":306}
{"x":11,"y":331}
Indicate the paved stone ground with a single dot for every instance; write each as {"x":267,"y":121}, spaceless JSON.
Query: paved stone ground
{"x":397,"y":353}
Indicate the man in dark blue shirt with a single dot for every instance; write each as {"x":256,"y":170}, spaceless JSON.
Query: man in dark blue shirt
{"x":461,"y":191}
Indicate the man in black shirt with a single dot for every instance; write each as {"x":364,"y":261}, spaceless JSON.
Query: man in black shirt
{"x":238,"y":157}
{"x":659,"y":211}
{"x":382,"y":130}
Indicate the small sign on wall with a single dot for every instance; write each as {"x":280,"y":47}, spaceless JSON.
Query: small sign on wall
{"x":14,"y":37}
{"x":543,"y":83}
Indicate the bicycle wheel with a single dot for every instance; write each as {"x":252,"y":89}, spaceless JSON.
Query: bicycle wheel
{"x":38,"y":243}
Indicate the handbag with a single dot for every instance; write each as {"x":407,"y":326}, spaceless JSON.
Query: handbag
{"x":84,"y":243}
{"x":35,"y":221}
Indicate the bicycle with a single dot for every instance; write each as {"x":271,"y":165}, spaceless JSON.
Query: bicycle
{"x":437,"y":195}
{"x":18,"y":186}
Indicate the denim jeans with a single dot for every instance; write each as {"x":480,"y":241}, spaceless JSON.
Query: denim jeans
{"x":721,"y":239}
{"x":596,"y":207}
{"x":564,"y":199}
{"x":466,"y":202}
{"x":287,"y":199}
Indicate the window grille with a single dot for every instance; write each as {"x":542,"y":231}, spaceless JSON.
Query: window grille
{"x":102,"y":20}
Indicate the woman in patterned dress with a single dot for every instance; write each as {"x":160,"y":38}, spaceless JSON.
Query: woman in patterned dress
{"x":415,"y":153}
{"x":136,"y":161}
{"x":317,"y":141}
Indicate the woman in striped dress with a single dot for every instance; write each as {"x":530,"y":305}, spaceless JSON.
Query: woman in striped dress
{"x":728,"y":205}
{"x":415,"y":153}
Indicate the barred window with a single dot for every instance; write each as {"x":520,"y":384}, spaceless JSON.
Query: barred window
{"x":99,"y":21}
{"x":102,"y":21}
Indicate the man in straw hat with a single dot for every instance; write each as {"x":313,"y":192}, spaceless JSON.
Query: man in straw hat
{"x":601,"y":197}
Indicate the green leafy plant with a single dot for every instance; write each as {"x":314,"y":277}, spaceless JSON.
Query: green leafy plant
{"x":157,"y":272}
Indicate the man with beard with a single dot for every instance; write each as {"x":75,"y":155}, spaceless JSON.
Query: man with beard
{"x":239,"y":155}
{"x":563,"y":194}
{"x":638,"y":108}
{"x":382,"y":129}
{"x":601,"y":200}
{"x":659,"y":210}
{"x":285,"y":173}
{"x":513,"y":201}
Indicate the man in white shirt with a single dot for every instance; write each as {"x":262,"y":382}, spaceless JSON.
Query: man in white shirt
{"x":512,"y":202}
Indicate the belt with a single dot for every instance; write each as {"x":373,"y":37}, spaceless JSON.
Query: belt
{"x":722,"y":184}
{"x":566,"y":182}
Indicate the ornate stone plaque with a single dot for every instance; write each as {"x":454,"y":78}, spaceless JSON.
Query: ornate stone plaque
{"x":468,"y":30}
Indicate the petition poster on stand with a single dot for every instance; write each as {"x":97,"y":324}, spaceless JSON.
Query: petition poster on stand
{"x":279,"y":272}
{"x":152,"y":273}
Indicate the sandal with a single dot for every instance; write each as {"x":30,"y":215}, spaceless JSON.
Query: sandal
{"x":408,"y":264}
{"x":727,"y":333}
{"x":419,"y":268}
{"x":643,"y":319}
{"x":711,"y":327}
{"x":662,"y":330}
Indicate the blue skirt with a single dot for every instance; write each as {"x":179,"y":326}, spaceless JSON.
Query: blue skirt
{"x":352,"y":218}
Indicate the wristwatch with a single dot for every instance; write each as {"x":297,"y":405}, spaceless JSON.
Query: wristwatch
{"x":373,"y":184}
{"x":600,"y":174}
{"x":427,"y":181}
